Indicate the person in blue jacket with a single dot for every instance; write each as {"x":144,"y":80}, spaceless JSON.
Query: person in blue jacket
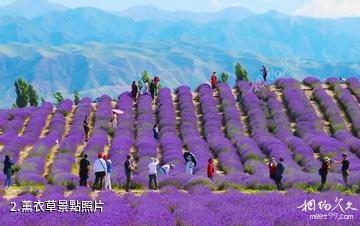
{"x":8,"y":171}
{"x":279,"y":174}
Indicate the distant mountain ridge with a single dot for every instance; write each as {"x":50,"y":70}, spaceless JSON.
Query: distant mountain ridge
{"x":30,"y":8}
{"x":147,"y":12}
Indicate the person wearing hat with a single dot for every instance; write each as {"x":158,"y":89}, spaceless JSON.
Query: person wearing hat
{"x":323,"y":171}
{"x":272,"y":168}
{"x":165,"y":169}
{"x":213,"y":80}
{"x":279,"y":173}
{"x":100,"y":172}
{"x":129,"y":169}
{"x":190,"y":162}
{"x":153,"y":173}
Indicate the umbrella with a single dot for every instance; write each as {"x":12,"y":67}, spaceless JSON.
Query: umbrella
{"x":117,"y":111}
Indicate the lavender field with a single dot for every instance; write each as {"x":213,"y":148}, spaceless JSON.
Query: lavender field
{"x":240,"y":127}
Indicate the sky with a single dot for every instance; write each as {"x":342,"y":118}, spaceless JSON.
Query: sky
{"x":314,"y":8}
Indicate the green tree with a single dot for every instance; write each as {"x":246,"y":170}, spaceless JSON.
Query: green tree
{"x":145,"y":76}
{"x":76,"y":97}
{"x":224,"y":77}
{"x":58,"y":97}
{"x":241,"y":73}
{"x":22,"y":94}
{"x":33,"y":96}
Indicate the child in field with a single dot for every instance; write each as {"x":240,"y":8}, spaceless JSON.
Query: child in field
{"x":211,"y":170}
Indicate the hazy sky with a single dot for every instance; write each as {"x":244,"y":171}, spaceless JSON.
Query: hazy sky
{"x":316,"y":8}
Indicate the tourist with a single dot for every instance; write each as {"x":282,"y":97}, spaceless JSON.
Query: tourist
{"x":84,"y":170}
{"x":345,"y":165}
{"x":157,"y":84}
{"x":153,"y":173}
{"x":272,"y":168}
{"x":265,"y":72}
{"x":156,"y":132}
{"x":145,"y":89}
{"x":190,"y":162}
{"x":86,"y":128}
{"x":114,"y":121}
{"x":134,"y":90}
{"x":100,"y":172}
{"x":152,"y":89}
{"x":129,"y":169}
{"x":279,"y":173}
{"x":108,"y":172}
{"x":8,"y":170}
{"x":323,"y":171}
{"x":213,"y":80}
{"x":211,"y":170}
{"x":165,"y":169}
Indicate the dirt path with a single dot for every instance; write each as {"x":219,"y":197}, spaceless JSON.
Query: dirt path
{"x":243,"y":116}
{"x":54,"y":150}
{"x":310,"y":95}
{"x":23,"y":128}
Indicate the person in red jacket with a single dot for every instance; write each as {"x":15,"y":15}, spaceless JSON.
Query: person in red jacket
{"x":272,"y":168}
{"x":213,"y":80}
{"x":211,"y":170}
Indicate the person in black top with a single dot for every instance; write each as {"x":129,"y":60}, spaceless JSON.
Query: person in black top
{"x":129,"y":169}
{"x":323,"y":171}
{"x":345,"y":165}
{"x":278,"y":174}
{"x":84,"y":170}
{"x":265,"y":72}
{"x":8,"y":171}
{"x":86,"y":128}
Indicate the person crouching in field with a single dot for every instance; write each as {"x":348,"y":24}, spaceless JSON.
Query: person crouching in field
{"x":211,"y":170}
{"x":100,"y":172}
{"x":84,"y":170}
{"x":165,"y":169}
{"x":8,"y":170}
{"x":323,"y":171}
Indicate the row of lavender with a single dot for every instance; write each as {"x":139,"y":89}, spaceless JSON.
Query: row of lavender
{"x":198,"y":207}
{"x":33,"y":167}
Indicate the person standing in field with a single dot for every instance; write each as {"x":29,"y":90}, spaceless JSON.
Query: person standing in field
{"x":156,"y":132}
{"x":272,"y":168}
{"x":190,"y":162}
{"x":323,"y":171}
{"x":157,"y":84}
{"x":108,"y":172}
{"x":8,"y":170}
{"x":279,"y":174}
{"x":265,"y":72}
{"x":84,"y":170}
{"x":129,"y":169}
{"x":165,"y":169}
{"x":213,"y":80}
{"x":86,"y":128}
{"x":152,"y":167}
{"x":152,"y":89}
{"x":114,"y":121}
{"x":345,"y":165}
{"x":100,"y":172}
{"x":211,"y":169}
{"x":134,"y":90}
